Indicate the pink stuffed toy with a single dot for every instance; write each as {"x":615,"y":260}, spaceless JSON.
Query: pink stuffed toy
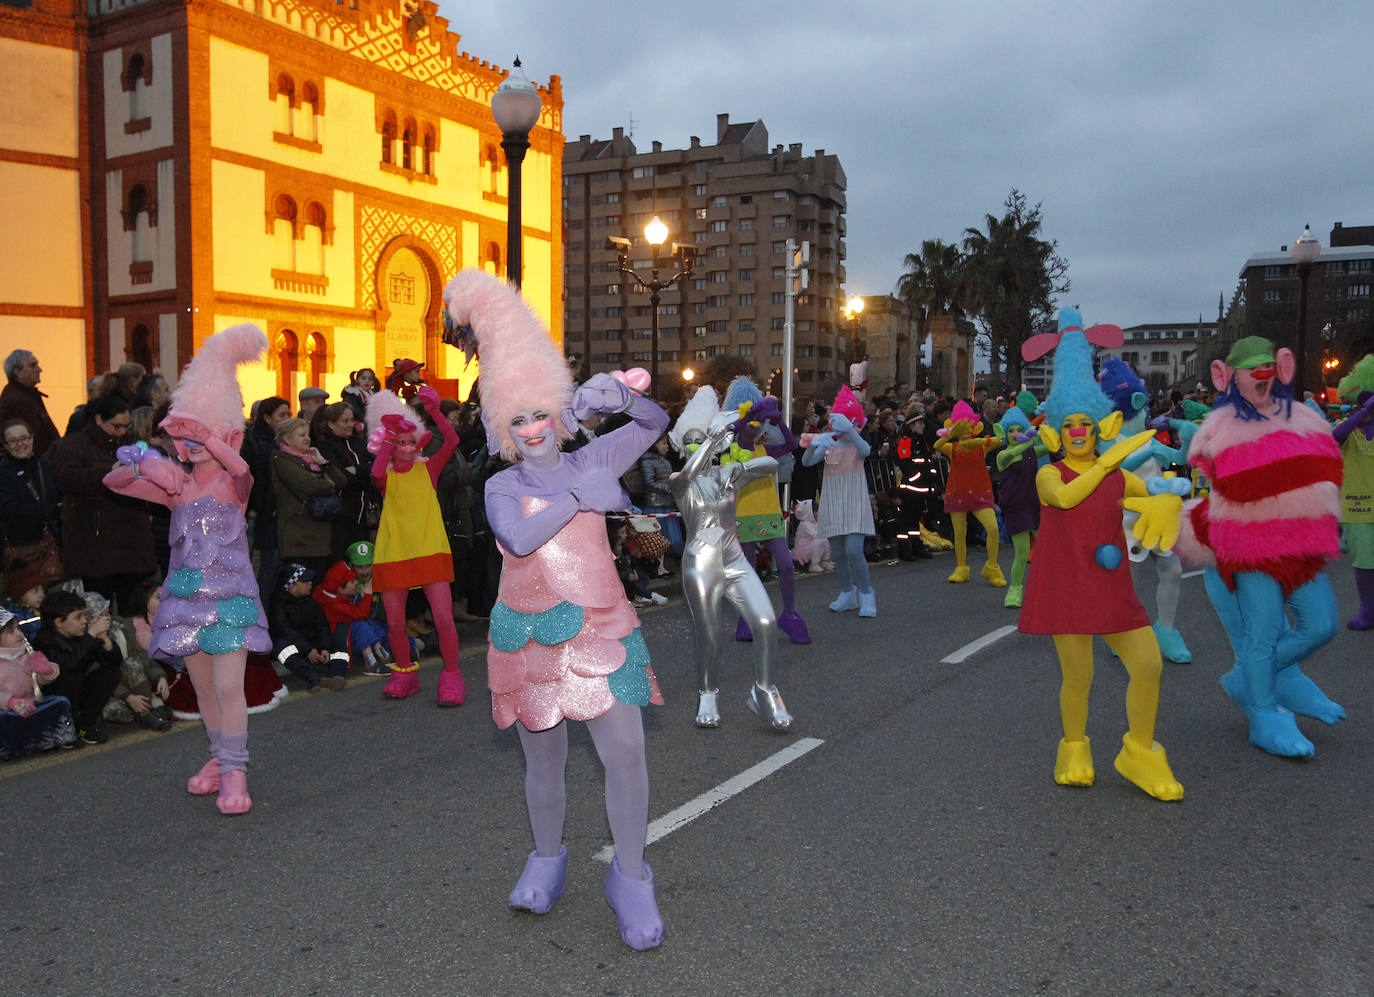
{"x":810,"y":550}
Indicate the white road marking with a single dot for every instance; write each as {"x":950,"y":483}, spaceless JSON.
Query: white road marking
{"x":693,"y":809}
{"x":969,"y":650}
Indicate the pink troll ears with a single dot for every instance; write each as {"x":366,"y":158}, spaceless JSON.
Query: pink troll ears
{"x":1106,"y":336}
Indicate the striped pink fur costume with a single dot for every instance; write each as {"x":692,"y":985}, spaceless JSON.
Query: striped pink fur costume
{"x":1275,"y":504}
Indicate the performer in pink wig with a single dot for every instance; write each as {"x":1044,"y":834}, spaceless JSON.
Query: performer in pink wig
{"x":209,"y":613}
{"x":565,"y":642}
{"x":412,"y":548}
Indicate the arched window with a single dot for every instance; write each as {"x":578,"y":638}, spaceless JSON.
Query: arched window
{"x":286,"y":99}
{"x":140,"y":349}
{"x":137,"y":226}
{"x":493,"y":164}
{"x":389,"y":138}
{"x":285,"y":358}
{"x":311,"y":257}
{"x":491,"y":259}
{"x":427,"y":167}
{"x":284,"y":234}
{"x":133,"y":75}
{"x":307,"y":112}
{"x":408,"y":146}
{"x":317,"y":355}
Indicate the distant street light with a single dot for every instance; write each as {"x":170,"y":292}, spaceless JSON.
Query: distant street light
{"x":515,"y":106}
{"x":853,"y":308}
{"x":1305,"y":252}
{"x":655,"y":233}
{"x":688,"y":373}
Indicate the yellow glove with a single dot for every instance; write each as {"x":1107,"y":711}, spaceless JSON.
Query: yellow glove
{"x":1157,"y":527}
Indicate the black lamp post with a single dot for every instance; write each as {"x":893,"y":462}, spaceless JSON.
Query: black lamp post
{"x":655,"y":233}
{"x":853,"y":308}
{"x":1305,"y":252}
{"x":515,"y":106}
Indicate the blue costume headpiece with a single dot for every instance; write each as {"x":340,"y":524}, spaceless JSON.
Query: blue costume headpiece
{"x":1074,"y":389}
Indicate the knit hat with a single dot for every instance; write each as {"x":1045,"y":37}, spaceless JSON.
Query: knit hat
{"x":293,"y":573}
{"x":22,"y":576}
{"x":6,"y":617}
{"x":521,"y":366}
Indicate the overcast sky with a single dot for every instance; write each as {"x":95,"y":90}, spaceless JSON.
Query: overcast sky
{"x":1166,"y":142}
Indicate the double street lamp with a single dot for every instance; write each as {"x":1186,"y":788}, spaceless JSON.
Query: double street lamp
{"x":1305,"y":252}
{"x":684,"y":258}
{"x":515,"y":106}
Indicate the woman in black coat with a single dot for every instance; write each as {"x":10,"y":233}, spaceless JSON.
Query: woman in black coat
{"x":346,"y":450}
{"x":28,"y":490}
{"x":259,"y":444}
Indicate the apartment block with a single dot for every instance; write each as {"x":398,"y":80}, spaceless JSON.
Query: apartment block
{"x":737,"y":202}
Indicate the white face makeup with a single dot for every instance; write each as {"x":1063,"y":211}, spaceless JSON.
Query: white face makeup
{"x":532,"y":431}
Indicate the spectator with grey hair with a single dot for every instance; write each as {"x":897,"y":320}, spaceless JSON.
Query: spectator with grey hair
{"x":21,"y":399}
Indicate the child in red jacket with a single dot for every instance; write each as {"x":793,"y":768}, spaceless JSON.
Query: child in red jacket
{"x":345,"y":595}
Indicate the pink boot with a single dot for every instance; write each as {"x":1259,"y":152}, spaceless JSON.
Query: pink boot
{"x":792,"y":624}
{"x":402,"y":684}
{"x":206,"y":781}
{"x":636,"y":910}
{"x":233,"y":793}
{"x":452,"y":689}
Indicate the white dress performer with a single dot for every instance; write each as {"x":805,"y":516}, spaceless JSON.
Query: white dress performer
{"x":715,"y":572}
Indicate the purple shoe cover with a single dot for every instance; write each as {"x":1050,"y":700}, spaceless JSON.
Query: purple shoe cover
{"x":636,"y":910}
{"x":792,"y":624}
{"x":541,"y":884}
{"x":742,"y":631}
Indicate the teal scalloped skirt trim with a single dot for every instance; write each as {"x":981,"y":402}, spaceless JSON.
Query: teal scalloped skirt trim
{"x":630,"y":682}
{"x":510,"y":629}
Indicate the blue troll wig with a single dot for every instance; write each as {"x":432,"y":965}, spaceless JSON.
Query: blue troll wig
{"x":1074,"y":388}
{"x":1124,"y":387}
{"x":1014,"y":419}
{"x":741,"y":390}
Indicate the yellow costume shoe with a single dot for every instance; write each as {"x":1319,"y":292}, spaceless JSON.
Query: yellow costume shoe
{"x":993,"y":573}
{"x":961,"y":574}
{"x":1073,"y":765}
{"x":1148,"y":769}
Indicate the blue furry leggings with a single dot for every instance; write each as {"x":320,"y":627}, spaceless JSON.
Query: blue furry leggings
{"x":850,"y":566}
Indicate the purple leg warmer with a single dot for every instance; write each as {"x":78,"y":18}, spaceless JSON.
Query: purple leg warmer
{"x":232,"y":753}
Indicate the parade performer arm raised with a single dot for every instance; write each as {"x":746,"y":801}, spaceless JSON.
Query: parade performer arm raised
{"x":845,"y":514}
{"x":969,"y":489}
{"x":1080,"y":586}
{"x":565,"y":642}
{"x":209,"y":613}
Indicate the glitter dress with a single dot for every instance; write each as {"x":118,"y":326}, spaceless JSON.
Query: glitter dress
{"x":210,"y":597}
{"x":565,"y":642}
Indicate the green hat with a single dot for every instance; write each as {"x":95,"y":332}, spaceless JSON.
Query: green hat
{"x":1250,"y":352}
{"x":359,"y":553}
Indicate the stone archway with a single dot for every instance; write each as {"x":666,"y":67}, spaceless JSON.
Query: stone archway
{"x":409,"y":317}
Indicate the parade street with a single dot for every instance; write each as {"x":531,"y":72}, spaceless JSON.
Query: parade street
{"x":906,"y":837}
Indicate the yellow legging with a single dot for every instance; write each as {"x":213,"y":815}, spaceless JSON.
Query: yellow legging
{"x":960,"y":522}
{"x":1139,"y":652}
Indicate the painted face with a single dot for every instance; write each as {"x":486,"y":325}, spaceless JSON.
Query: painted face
{"x":194,"y":452}
{"x":1256,"y":383}
{"x":1079,"y":436}
{"x":692,"y":440}
{"x":532,"y":431}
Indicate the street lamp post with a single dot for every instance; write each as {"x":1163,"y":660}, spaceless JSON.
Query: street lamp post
{"x":515,"y":106}
{"x":655,"y":233}
{"x":1305,"y":252}
{"x":852,"y":310}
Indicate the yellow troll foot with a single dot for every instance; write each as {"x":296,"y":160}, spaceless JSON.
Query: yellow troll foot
{"x":993,"y":573}
{"x":961,"y":574}
{"x":1149,"y":769}
{"x":1073,"y":765}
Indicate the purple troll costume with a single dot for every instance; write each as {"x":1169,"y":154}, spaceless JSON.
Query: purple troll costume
{"x":210,"y":613}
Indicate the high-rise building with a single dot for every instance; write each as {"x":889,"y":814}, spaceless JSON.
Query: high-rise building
{"x":737,"y":202}
{"x":321,"y":168}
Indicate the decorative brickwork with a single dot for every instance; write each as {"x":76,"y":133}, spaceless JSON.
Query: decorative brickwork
{"x":378,"y":226}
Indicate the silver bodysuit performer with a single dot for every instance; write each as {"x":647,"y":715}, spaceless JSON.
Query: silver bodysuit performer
{"x":715,"y":573}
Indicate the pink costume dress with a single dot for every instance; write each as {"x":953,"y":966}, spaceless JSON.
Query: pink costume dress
{"x":565,"y":642}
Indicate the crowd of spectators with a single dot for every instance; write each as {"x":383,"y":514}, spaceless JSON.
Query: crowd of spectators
{"x":82,"y":564}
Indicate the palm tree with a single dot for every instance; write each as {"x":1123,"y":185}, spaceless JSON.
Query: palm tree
{"x":934,"y":283}
{"x":1012,"y":277}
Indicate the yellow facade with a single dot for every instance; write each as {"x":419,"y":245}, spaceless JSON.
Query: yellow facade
{"x":320,"y":170}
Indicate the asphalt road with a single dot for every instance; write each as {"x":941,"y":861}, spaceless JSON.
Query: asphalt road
{"x":921,"y":848}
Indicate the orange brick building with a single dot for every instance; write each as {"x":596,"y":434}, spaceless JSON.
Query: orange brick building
{"x":172,"y":167}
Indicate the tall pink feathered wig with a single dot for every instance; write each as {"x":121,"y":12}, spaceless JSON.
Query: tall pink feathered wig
{"x":521,"y":367}
{"x":848,"y":406}
{"x":207,"y":399}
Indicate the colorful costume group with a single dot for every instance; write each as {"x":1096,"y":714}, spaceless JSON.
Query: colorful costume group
{"x":1265,"y":532}
{"x":969,"y":488}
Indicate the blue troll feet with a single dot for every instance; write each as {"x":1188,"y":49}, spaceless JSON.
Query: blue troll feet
{"x":1276,"y":731}
{"x":1300,"y":694}
{"x":1171,"y":644}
